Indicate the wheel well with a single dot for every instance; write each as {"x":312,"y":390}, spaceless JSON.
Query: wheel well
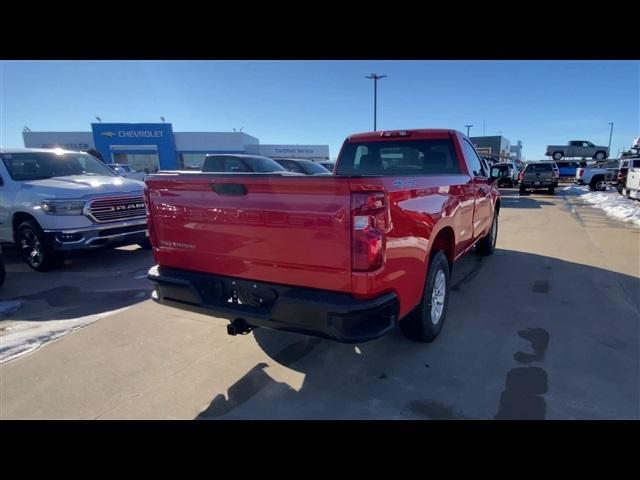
{"x":20,"y":217}
{"x":445,"y":241}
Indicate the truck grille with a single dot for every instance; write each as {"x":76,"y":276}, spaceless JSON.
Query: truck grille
{"x":117,"y":208}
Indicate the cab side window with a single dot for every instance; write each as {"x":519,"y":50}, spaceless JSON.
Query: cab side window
{"x":473,"y":160}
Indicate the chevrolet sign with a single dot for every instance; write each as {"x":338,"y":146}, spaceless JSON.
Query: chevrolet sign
{"x":135,"y":134}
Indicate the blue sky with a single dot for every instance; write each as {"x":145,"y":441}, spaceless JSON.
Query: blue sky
{"x":321,"y":102}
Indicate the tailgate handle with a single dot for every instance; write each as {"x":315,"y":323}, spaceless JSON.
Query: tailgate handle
{"x":236,"y":189}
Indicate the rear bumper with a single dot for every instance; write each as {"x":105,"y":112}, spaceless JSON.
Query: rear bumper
{"x":321,"y":313}
{"x":540,"y":183}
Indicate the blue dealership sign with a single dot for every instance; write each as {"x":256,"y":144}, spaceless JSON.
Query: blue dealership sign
{"x":136,"y":138}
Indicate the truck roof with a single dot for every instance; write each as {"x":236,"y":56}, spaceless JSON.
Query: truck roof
{"x":416,"y":132}
{"x":34,"y":150}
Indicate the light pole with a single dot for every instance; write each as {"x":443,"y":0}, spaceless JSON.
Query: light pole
{"x":375,"y":77}
{"x":468,"y":127}
{"x":610,"y":134}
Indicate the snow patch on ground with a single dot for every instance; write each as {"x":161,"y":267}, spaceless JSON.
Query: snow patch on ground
{"x":615,"y":205}
{"x":20,"y":339}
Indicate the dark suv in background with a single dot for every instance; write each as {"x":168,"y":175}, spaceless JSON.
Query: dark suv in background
{"x":538,"y":176}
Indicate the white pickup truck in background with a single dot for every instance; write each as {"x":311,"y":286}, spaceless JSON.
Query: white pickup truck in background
{"x":53,"y":201}
{"x":597,"y":176}
{"x":632,"y":187}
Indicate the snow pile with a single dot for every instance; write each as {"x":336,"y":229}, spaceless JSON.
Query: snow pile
{"x":575,"y":189}
{"x":615,"y":205}
{"x":24,"y":337}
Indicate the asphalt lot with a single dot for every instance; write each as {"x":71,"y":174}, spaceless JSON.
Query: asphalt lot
{"x":546,"y":328}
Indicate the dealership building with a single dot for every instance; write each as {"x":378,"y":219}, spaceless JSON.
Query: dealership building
{"x":155,"y":146}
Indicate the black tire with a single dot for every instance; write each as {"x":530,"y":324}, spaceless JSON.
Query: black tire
{"x":487,"y":244}
{"x":146,"y":244}
{"x":620,"y":187}
{"x":418,"y":325}
{"x":522,"y":189}
{"x":552,"y":190}
{"x":597,"y":183}
{"x":600,"y":155}
{"x":557,"y":155}
{"x":34,"y":248}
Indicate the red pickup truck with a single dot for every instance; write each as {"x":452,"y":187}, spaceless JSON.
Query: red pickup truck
{"x":345,"y":256}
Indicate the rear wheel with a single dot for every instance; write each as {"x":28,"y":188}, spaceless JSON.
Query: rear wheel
{"x":552,"y":190}
{"x":557,"y":155}
{"x":598,"y":183}
{"x":35,"y":249}
{"x":487,"y":244}
{"x":522,"y":189}
{"x":599,"y":156}
{"x":425,"y":322}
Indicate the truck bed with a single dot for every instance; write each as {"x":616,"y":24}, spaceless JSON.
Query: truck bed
{"x":271,"y":228}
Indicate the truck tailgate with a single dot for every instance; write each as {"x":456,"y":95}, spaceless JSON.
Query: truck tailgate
{"x":288,"y":230}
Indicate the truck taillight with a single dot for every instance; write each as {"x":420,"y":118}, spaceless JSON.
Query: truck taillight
{"x":371,"y":221}
{"x":580,"y":172}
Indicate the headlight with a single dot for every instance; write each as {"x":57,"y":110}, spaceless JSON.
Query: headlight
{"x":63,"y":207}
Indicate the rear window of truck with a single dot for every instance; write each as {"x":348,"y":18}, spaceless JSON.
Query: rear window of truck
{"x":402,"y":157}
{"x":539,"y":167}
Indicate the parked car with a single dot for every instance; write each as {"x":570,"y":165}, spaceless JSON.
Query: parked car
{"x":239,"y":163}
{"x":506,"y":173}
{"x":384,"y":230}
{"x":54,"y":201}
{"x":577,"y":148}
{"x":621,"y":177}
{"x":328,"y":165}
{"x":126,"y":171}
{"x":299,"y":165}
{"x":567,"y":168}
{"x":538,"y":176}
{"x":597,"y":176}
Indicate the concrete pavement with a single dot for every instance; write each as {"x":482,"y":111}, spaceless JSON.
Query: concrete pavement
{"x":547,"y":327}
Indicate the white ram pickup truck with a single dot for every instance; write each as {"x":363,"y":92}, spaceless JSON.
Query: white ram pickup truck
{"x":53,"y":201}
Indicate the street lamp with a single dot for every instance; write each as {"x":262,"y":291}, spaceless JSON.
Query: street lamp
{"x":468,"y":127}
{"x":610,"y":134}
{"x":375,"y":77}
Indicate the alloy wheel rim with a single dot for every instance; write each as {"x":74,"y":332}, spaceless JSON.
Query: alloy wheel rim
{"x":31,"y":248}
{"x":438,"y":296}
